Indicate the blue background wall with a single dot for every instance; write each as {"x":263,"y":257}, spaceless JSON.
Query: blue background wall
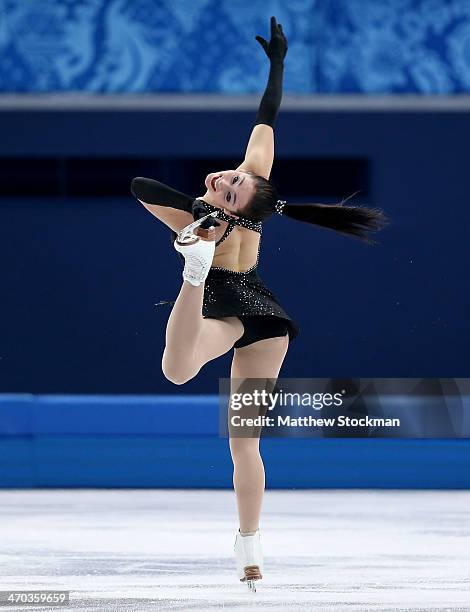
{"x":172,"y":442}
{"x":80,"y":277}
{"x":365,"y":46}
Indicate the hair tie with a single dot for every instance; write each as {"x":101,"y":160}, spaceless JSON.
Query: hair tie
{"x":279,"y":206}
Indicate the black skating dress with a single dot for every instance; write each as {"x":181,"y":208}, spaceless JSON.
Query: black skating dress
{"x":228,"y":293}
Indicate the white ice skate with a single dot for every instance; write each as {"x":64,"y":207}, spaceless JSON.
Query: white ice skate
{"x":249,"y":557}
{"x":197,"y":245}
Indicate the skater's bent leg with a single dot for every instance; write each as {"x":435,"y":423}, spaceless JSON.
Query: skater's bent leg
{"x":183,"y":327}
{"x":261,"y":360}
{"x":191,"y":340}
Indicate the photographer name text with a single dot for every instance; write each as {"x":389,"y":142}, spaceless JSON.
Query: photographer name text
{"x":310,"y":421}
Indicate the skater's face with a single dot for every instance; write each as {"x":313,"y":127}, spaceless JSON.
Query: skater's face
{"x":230,"y":189}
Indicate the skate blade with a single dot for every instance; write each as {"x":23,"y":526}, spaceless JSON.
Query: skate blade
{"x":251,"y":585}
{"x":252,"y":574}
{"x":190,"y":233}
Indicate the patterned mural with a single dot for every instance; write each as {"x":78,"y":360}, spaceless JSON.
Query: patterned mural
{"x":335,"y":46}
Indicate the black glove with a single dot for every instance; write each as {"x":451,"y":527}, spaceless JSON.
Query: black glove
{"x":153,"y":192}
{"x":199,"y":210}
{"x":276,"y":49}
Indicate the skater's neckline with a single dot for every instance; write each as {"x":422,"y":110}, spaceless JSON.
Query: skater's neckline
{"x":255,"y":226}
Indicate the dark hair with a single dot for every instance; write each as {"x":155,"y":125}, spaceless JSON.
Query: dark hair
{"x":356,"y":221}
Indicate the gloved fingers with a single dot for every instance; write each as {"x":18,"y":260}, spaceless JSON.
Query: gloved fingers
{"x":199,"y":210}
{"x":262,"y":42}
{"x":282,"y":34}
{"x":273,"y":26}
{"x":210,"y":222}
{"x":207,"y":224}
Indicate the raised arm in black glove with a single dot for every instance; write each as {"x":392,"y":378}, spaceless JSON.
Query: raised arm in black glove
{"x":276,"y":51}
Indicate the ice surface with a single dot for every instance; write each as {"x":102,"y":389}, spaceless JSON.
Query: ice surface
{"x":345,"y":550}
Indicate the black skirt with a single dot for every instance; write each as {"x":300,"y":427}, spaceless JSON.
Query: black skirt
{"x":228,"y":293}
{"x":243,"y":294}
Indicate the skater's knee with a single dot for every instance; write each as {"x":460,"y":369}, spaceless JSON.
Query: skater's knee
{"x":244,"y":447}
{"x":175,"y":379}
{"x":175,"y":372}
{"x":176,"y":375}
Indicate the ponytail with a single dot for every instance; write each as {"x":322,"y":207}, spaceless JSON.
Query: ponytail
{"x":356,"y":221}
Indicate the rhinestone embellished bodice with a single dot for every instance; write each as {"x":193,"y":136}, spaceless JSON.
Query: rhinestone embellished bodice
{"x":255,"y":226}
{"x":233,"y":293}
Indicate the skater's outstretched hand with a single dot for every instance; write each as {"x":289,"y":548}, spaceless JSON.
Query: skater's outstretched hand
{"x":277,"y":46}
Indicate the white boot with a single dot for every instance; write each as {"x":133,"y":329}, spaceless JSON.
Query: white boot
{"x":197,"y":246}
{"x":249,"y":557}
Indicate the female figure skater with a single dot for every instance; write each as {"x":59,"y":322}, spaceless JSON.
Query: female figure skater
{"x":223,"y":303}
